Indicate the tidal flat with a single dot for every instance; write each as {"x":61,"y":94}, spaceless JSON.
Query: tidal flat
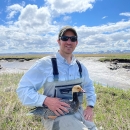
{"x":106,"y":69}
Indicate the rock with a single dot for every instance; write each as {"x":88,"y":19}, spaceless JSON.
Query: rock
{"x":10,"y":60}
{"x":126,"y":66}
{"x":21,"y":60}
{"x":1,"y":67}
{"x":114,"y":66}
{"x":115,"y":62}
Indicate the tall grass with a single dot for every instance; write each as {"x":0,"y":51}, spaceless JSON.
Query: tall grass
{"x":112,"y":110}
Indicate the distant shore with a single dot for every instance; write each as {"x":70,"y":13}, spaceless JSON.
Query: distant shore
{"x":116,"y":60}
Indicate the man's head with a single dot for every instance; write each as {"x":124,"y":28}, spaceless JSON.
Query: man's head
{"x":66,"y":28}
{"x":67,"y":40}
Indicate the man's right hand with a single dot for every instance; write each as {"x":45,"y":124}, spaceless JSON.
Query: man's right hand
{"x":56,"y":105}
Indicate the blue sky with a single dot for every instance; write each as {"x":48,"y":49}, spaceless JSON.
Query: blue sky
{"x":33,"y":26}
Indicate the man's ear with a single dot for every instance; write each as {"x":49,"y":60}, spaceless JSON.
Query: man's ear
{"x":58,"y":42}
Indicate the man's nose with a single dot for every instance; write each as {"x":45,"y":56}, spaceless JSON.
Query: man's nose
{"x":69,"y":41}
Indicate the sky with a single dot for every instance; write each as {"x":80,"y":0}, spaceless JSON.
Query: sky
{"x":33,"y":25}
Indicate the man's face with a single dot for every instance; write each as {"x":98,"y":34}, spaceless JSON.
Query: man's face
{"x":67,"y":47}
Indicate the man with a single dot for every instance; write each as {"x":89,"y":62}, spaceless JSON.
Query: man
{"x":65,"y":72}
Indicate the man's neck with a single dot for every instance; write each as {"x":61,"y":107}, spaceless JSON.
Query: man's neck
{"x":68,"y":57}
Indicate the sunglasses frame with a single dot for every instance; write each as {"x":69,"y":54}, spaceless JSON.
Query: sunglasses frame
{"x":66,"y":38}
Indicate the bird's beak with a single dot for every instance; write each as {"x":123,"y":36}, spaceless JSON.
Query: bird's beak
{"x":82,"y":91}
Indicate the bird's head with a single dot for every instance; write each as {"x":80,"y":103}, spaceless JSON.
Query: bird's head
{"x":77,"y":88}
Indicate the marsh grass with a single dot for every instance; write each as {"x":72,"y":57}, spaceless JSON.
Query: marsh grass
{"x":111,"y":57}
{"x":37,"y":56}
{"x":112,"y":110}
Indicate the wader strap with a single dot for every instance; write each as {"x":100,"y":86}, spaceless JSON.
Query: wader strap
{"x":80,"y":68}
{"x":55,"y":70}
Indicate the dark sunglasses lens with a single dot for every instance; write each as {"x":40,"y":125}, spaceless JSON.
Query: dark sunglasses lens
{"x":73,"y":39}
{"x":65,"y":38}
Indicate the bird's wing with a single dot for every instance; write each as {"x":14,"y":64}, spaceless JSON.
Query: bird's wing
{"x":73,"y":106}
{"x":48,"y":114}
{"x":42,"y":112}
{"x":38,"y":111}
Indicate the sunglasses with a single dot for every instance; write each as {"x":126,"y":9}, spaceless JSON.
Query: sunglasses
{"x":66,"y":38}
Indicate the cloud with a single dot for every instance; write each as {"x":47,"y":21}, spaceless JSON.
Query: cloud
{"x":106,"y":37}
{"x":36,"y":29}
{"x":66,"y":18}
{"x":69,"y":6}
{"x":104,"y":17}
{"x":35,"y":20}
{"x":127,"y":14}
{"x":13,"y":10}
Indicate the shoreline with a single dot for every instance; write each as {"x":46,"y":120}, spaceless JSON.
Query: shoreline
{"x":105,"y":73}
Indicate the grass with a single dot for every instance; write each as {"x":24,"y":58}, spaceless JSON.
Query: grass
{"x":112,"y":110}
{"x":36,"y":56}
{"x":110,"y":57}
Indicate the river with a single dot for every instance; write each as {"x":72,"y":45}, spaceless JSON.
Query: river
{"x":98,"y":71}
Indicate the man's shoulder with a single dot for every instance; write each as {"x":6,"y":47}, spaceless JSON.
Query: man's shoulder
{"x":45,"y":60}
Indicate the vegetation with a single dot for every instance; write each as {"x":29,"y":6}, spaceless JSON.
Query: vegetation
{"x":112,"y":110}
{"x":17,"y":57}
{"x":36,"y":56}
{"x":119,"y":57}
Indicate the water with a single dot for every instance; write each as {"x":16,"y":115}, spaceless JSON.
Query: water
{"x":98,"y":71}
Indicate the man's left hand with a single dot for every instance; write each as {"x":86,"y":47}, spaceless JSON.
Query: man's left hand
{"x":88,"y":114}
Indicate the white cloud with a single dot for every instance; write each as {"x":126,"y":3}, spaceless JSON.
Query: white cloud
{"x":105,"y":37}
{"x":104,"y":17}
{"x":35,"y":20}
{"x":66,"y":18}
{"x":36,"y":30}
{"x":125,"y":14}
{"x":13,"y":10}
{"x":69,"y":6}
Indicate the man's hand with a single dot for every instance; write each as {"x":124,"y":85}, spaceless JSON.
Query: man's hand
{"x":56,"y":105}
{"x":88,"y":113}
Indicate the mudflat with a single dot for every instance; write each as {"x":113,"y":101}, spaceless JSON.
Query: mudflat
{"x":100,"y":72}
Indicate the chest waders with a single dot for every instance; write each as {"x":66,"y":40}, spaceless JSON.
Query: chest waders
{"x":63,"y":89}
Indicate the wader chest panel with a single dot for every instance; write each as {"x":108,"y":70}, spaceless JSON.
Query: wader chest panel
{"x":65,"y":91}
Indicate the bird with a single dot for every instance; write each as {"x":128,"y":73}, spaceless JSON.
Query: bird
{"x":48,"y":114}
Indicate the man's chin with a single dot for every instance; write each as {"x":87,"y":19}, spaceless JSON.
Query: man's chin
{"x":69,"y":51}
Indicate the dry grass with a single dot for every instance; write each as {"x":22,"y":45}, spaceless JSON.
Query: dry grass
{"x":112,"y":111}
{"x":37,"y":56}
{"x":12,"y":113}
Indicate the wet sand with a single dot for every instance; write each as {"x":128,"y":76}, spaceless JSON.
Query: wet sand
{"x":98,"y":71}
